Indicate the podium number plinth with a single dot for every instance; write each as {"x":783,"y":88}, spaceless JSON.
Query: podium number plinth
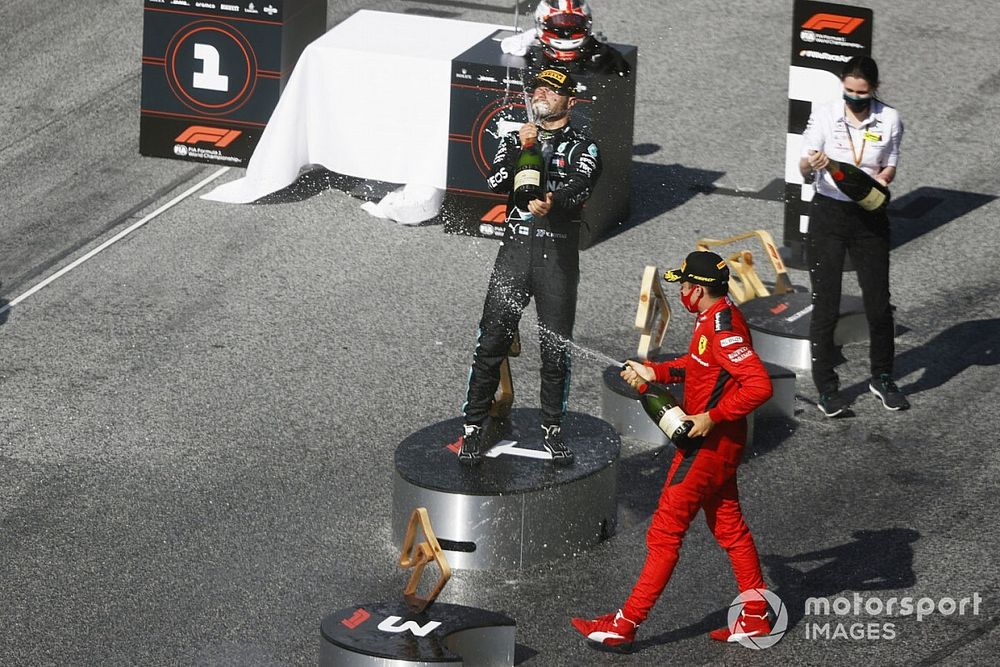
{"x":517,"y":508}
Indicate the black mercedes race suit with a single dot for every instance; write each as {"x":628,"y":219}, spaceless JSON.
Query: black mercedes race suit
{"x":538,"y":258}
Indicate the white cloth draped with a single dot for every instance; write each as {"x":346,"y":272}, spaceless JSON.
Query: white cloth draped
{"x":370,"y":99}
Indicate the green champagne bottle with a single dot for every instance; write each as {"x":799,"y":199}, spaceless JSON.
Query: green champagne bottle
{"x":868,"y":193}
{"x":528,"y":175}
{"x":663,"y":409}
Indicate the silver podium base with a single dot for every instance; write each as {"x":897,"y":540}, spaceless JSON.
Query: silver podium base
{"x":516,"y":509}
{"x":780,"y":327}
{"x":388,"y":634}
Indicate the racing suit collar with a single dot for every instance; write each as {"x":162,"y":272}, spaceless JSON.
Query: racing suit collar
{"x":716,"y":307}
{"x":552,"y":135}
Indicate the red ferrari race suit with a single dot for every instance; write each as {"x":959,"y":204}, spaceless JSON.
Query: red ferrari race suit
{"x":723,"y":376}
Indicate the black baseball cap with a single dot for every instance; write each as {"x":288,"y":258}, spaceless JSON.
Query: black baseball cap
{"x":556,"y":78}
{"x":701,"y":268}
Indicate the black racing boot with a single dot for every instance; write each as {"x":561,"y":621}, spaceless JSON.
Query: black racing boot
{"x":556,"y":446}
{"x":471,"y":454}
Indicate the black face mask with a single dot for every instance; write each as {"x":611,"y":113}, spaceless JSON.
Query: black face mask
{"x":857,"y":104}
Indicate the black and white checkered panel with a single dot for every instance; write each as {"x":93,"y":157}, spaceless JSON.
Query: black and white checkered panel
{"x":825,"y":35}
{"x":806,"y":86}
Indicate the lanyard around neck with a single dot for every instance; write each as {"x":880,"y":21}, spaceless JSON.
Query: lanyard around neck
{"x":857,"y":157}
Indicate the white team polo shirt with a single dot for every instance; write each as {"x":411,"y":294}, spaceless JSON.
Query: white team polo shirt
{"x":876,"y":142}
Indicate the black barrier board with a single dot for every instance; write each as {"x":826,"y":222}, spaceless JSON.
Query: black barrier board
{"x":212,"y":73}
{"x":825,"y":35}
{"x":487,"y":101}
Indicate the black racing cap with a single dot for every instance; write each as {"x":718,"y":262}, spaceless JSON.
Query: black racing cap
{"x":556,"y":78}
{"x":702,"y":268}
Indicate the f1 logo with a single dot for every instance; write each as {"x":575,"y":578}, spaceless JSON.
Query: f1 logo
{"x":356,"y":619}
{"x":496,"y":214}
{"x":218,"y":137}
{"x":390,"y":625}
{"x":845,"y":25}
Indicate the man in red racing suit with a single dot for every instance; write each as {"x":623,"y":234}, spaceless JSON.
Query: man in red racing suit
{"x":724,"y":380}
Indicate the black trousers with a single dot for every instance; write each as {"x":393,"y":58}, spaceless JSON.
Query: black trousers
{"x":836,"y":228}
{"x":549,"y":273}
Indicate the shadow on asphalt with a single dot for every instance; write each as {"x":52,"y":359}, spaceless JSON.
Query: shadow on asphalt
{"x":319,"y":180}
{"x":658,"y":188}
{"x":948,"y":354}
{"x":874,"y":560}
{"x":927,"y":208}
{"x":523,"y":654}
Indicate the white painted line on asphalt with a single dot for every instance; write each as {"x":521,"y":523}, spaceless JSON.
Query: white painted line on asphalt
{"x":117,"y":237}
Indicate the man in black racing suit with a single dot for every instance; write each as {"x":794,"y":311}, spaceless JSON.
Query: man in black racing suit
{"x":538,"y":258}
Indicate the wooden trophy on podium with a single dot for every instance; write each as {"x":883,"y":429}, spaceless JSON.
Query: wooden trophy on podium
{"x":744,"y":283}
{"x":503,"y":401}
{"x":653,"y":315}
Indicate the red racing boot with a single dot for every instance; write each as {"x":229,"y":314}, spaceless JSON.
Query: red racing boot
{"x":611,"y":632}
{"x":747,"y":625}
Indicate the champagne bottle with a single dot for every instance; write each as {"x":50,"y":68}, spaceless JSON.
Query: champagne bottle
{"x":868,"y":193}
{"x":528,"y":175}
{"x":662,"y":408}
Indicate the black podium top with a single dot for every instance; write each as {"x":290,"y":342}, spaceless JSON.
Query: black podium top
{"x":429,"y":457}
{"x":357,"y":629}
{"x":788,"y":315}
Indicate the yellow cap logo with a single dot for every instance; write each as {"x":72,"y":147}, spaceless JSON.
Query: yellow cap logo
{"x":555,"y":75}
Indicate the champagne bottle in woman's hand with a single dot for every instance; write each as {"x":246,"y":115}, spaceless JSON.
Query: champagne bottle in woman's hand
{"x":862,"y":189}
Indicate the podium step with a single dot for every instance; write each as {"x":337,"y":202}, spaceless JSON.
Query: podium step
{"x":780,"y":327}
{"x":517,"y":508}
{"x":388,"y":633}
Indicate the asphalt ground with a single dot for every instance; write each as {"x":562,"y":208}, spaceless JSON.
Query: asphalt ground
{"x":197,"y":425}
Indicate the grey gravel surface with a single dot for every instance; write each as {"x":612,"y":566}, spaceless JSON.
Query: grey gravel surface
{"x":197,"y":425}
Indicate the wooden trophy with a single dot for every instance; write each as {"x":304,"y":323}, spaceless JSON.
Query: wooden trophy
{"x":417,"y":556}
{"x":653,"y":315}
{"x":503,"y":401}
{"x":744,"y":283}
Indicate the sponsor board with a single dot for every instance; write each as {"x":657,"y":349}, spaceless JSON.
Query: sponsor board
{"x":220,"y":67}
